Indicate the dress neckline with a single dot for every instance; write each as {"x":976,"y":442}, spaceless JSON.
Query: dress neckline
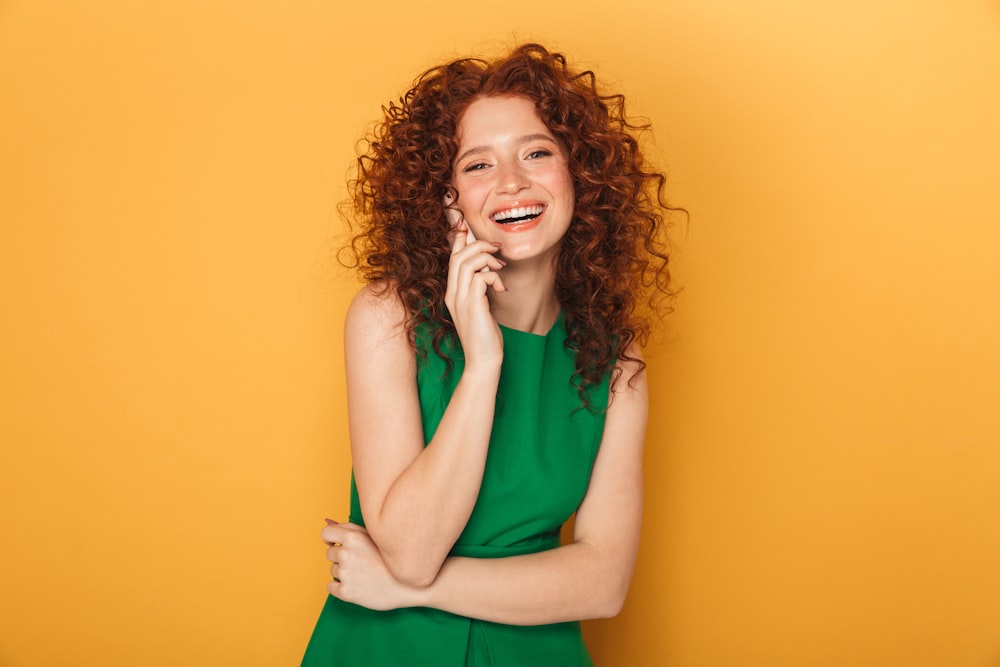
{"x":555,"y":325}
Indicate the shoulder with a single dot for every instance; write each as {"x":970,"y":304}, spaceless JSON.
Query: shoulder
{"x":376,"y":306}
{"x":376,"y":314}
{"x":629,"y":377}
{"x":378,"y":354}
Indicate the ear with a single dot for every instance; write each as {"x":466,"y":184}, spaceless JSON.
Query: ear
{"x":453,"y":213}
{"x":450,"y":210}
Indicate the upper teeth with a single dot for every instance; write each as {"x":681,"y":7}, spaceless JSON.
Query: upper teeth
{"x":519,"y":212}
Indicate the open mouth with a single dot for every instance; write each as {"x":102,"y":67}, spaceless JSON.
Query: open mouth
{"x":518,"y":215}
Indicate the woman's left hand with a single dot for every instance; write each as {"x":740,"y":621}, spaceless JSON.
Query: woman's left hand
{"x":360,"y":575}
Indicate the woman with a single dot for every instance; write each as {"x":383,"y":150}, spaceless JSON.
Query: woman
{"x":509,"y":231}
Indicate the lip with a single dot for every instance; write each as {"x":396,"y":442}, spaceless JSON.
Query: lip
{"x":519,"y":226}
{"x":514,"y":227}
{"x":517,"y":203}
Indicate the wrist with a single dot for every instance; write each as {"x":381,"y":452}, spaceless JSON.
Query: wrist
{"x":482,"y":374}
{"x":416,"y":596}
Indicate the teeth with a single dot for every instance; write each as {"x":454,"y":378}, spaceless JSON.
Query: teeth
{"x":520,"y":212}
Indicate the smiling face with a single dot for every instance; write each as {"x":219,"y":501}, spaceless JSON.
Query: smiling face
{"x":512,"y":178}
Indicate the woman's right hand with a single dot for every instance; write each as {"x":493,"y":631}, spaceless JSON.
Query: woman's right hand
{"x":471,"y":272}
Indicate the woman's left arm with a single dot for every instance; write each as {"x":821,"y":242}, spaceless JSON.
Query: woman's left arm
{"x":586,"y":579}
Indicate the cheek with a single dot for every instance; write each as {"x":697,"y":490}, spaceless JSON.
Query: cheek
{"x":564,"y":187}
{"x":560,"y":180}
{"x":470,"y":196}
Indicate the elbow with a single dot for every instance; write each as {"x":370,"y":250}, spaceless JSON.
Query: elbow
{"x":612,"y":575}
{"x":417,"y":579}
{"x":410,"y":573}
{"x":611,"y":599}
{"x":417,"y":570}
{"x":612,"y":605}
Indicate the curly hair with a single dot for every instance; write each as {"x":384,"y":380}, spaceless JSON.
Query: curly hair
{"x":613,"y":259}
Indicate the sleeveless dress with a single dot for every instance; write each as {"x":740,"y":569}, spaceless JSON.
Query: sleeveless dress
{"x":541,"y":454}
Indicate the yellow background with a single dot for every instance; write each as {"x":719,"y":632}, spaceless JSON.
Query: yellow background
{"x":824,"y":455}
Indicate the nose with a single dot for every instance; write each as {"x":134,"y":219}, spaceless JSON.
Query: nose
{"x":511,"y":177}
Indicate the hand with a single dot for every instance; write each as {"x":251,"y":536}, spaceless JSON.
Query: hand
{"x":469,"y":276}
{"x":359,"y":573}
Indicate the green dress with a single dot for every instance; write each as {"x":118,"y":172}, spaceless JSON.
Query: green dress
{"x":541,"y":453}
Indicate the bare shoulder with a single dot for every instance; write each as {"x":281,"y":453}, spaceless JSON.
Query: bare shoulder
{"x":378,"y":356}
{"x":376,"y":315}
{"x":631,"y":382}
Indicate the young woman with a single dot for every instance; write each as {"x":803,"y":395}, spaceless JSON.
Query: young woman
{"x":509,"y":232}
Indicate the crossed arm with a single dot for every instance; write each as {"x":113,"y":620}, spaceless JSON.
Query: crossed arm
{"x":416,"y":500}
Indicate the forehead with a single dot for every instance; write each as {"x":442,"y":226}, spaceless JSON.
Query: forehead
{"x":498,"y":117}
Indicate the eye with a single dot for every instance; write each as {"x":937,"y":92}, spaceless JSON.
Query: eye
{"x":541,"y":152}
{"x":476,"y":166}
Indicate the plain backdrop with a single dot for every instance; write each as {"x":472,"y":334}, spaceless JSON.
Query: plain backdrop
{"x":823,"y":462}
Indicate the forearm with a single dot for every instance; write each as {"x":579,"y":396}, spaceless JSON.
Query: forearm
{"x":428,"y":505}
{"x":586,"y":579}
{"x":573,"y":582}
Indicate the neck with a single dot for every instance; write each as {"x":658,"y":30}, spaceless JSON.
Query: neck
{"x":529,"y":303}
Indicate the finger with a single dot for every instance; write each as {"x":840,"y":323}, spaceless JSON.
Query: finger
{"x":464,"y":264}
{"x":479,"y":261}
{"x":329,"y":522}
{"x":469,"y":240}
{"x":480,"y":264}
{"x":335,"y":534}
{"x":475,"y":257}
{"x":476,"y":287}
{"x":493,"y":280}
{"x":459,"y":256}
{"x":459,"y":237}
{"x":333,"y":553}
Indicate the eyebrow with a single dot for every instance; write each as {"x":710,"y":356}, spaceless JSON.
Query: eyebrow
{"x":528,"y":138}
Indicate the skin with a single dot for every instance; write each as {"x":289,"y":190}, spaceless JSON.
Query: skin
{"x":416,"y":499}
{"x":508,"y":158}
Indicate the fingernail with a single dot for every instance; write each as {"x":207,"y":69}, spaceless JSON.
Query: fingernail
{"x":502,"y":263}
{"x":496,"y":244}
{"x":331,"y":522}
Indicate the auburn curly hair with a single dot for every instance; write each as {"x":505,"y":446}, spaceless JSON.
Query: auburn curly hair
{"x":613,"y":258}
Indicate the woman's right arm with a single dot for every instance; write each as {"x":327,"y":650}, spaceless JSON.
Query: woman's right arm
{"x":416,"y":500}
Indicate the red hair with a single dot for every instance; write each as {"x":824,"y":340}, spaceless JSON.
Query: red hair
{"x":613,"y":257}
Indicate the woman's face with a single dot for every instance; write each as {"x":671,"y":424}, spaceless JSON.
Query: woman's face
{"x":512,"y":178}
